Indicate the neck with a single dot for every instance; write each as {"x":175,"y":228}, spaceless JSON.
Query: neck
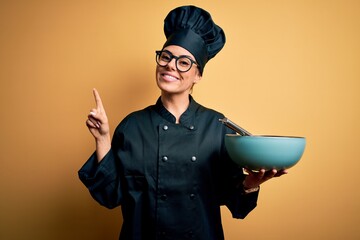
{"x":175,"y":104}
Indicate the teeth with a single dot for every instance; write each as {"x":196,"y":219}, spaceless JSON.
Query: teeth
{"x":171,"y":77}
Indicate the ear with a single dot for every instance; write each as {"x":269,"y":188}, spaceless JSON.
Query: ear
{"x":197,"y":78}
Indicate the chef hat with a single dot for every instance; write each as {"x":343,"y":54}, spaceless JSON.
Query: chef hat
{"x":192,"y":28}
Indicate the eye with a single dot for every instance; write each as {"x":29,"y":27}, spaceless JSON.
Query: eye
{"x":184,"y":62}
{"x":165,"y":57}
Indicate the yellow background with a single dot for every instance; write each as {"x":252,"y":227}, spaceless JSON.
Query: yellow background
{"x":288,"y":68}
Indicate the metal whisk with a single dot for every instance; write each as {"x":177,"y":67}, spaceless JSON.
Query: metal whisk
{"x":230,"y":124}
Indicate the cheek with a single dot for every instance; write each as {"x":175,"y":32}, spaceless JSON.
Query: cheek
{"x":191,"y":77}
{"x":157,"y":72}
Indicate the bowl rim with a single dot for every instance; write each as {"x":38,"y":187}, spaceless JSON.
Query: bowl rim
{"x":264,"y":136}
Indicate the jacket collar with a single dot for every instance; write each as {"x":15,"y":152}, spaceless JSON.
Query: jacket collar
{"x":187,"y":119}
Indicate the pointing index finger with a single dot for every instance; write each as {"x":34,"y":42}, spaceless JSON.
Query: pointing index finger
{"x":98,"y":101}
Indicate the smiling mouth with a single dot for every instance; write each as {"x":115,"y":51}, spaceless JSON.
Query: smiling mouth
{"x":169,"y":77}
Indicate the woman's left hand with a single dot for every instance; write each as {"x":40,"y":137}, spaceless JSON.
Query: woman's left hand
{"x":254,"y":179}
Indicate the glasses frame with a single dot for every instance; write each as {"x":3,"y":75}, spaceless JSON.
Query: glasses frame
{"x":172,"y":56}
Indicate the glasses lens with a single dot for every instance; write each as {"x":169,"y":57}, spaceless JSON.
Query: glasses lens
{"x":183,"y":64}
{"x":163,"y":58}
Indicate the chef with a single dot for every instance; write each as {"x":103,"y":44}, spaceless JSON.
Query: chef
{"x":166,"y":165}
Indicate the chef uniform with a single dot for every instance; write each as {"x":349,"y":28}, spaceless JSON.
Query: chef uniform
{"x":171,"y":179}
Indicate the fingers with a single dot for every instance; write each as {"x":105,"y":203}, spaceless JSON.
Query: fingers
{"x":266,"y":175}
{"x":246,"y":171}
{"x":255,"y":173}
{"x":262,"y":174}
{"x":269,"y":174}
{"x":93,"y":113}
{"x":97,"y":115}
{"x":93,"y":119}
{"x":258,"y":175}
{"x":98,"y":101}
{"x":93,"y":123}
{"x":281,"y":172}
{"x":255,"y":178}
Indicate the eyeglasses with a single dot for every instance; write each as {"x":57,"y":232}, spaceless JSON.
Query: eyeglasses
{"x":183,"y":63}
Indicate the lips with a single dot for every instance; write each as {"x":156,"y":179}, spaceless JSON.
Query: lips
{"x":169,"y":77}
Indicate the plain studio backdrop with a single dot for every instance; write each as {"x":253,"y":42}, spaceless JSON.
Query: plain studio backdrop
{"x":288,"y":68}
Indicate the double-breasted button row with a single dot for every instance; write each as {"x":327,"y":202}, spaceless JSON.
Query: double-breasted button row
{"x":166,"y":127}
{"x":164,"y":197}
{"x":165,"y":158}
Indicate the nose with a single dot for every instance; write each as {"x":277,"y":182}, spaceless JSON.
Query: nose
{"x":172,"y":64}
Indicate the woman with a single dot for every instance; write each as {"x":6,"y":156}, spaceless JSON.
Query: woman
{"x":167,"y":165}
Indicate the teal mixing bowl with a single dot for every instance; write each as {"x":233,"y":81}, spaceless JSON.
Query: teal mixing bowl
{"x":268,"y":152}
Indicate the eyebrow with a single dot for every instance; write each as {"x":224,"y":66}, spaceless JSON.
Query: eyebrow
{"x":188,"y":56}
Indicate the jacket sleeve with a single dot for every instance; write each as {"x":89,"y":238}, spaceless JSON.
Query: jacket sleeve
{"x":233,"y":196}
{"x":102,"y":180}
{"x":237,"y":201}
{"x":243,"y":204}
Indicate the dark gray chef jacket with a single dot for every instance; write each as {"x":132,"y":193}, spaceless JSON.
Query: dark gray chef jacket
{"x":170,"y":179}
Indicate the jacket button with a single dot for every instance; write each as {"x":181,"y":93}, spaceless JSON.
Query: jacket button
{"x":163,"y":197}
{"x":161,"y":234}
{"x":191,"y":127}
{"x":164,"y":158}
{"x":190,"y":234}
{"x":192,"y":196}
{"x":165,"y":127}
{"x":193,"y":158}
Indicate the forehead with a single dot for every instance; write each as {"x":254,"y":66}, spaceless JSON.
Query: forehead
{"x":178,"y":51}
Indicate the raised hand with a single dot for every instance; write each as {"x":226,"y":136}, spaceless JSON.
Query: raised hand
{"x":98,"y":125}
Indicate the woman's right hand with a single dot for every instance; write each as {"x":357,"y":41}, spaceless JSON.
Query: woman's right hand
{"x":98,"y":125}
